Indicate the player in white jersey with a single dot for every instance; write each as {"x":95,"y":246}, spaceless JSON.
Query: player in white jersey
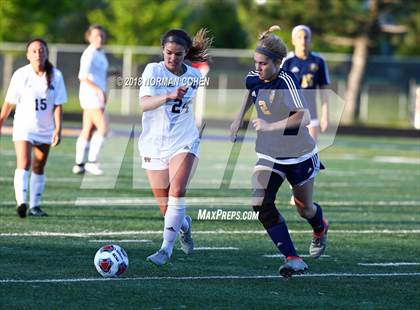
{"x":169,"y":140}
{"x":38,"y":92}
{"x":92,"y":96}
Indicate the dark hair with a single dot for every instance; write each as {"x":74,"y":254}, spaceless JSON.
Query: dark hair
{"x":91,"y":28}
{"x":48,"y":65}
{"x":197,"y":48}
{"x":272,"y":43}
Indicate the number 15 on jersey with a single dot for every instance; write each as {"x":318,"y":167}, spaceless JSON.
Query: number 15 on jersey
{"x":40,"y":104}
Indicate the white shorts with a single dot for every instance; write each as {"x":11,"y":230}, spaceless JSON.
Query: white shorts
{"x":90,"y":100}
{"x":33,"y":138}
{"x":314,"y":123}
{"x":162,"y":163}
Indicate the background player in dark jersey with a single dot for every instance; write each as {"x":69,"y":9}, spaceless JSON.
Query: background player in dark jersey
{"x":312,"y":73}
{"x":284,"y":148}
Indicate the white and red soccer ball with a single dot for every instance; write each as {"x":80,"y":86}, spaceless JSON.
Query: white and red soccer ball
{"x":111,"y":261}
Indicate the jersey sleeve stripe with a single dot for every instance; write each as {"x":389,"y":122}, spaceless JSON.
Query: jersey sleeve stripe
{"x":292,"y":89}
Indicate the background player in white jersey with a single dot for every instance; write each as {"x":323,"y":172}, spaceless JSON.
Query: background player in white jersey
{"x":38,"y":92}
{"x":169,"y":140}
{"x":285,"y":150}
{"x":92,"y":96}
{"x":312,"y":73}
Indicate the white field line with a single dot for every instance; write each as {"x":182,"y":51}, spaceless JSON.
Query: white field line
{"x":198,"y":232}
{"x":397,"y":160}
{"x":388,"y":264}
{"x":205,"y":202}
{"x":216,"y":248}
{"x":281,"y":255}
{"x":123,"y":241}
{"x":226,"y":277}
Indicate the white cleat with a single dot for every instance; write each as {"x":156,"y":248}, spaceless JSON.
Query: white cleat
{"x":93,"y":168}
{"x":187,"y":243}
{"x":319,"y":242}
{"x":293,"y":265}
{"x":159,"y":258}
{"x":78,"y":169}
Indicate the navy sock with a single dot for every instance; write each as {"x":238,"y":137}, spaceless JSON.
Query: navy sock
{"x":281,"y":238}
{"x":317,"y":222}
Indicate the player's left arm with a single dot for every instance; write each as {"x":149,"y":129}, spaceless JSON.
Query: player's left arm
{"x":58,"y":119}
{"x":58,"y":109}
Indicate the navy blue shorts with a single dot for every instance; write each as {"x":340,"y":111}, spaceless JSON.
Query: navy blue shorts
{"x":296,"y":174}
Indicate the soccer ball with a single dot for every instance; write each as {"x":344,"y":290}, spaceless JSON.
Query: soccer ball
{"x":111,"y":261}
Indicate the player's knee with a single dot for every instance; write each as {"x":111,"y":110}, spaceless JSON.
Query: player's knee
{"x":38,"y":167}
{"x":268,"y":214}
{"x":177,"y":191}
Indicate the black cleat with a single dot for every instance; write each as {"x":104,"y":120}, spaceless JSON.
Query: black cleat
{"x":21,"y":210}
{"x":36,"y":211}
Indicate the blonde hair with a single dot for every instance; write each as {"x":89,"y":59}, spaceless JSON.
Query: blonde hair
{"x":197,"y":48}
{"x":274,"y":44}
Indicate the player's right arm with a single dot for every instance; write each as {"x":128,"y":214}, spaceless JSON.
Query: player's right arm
{"x":148,"y":103}
{"x":5,"y":112}
{"x":234,"y":127}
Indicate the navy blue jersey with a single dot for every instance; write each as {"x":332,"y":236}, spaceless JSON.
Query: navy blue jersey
{"x":274,"y":101}
{"x":311,"y":72}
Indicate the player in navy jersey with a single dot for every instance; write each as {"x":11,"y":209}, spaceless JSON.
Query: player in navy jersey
{"x":284,"y":148}
{"x":312,"y":73}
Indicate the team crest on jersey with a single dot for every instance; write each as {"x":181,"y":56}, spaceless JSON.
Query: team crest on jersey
{"x":254,"y":94}
{"x":264,"y":108}
{"x":313,"y":67}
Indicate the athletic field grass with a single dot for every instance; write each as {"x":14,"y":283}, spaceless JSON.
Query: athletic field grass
{"x":370,"y":193}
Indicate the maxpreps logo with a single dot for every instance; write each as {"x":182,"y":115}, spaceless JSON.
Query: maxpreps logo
{"x":223,"y":215}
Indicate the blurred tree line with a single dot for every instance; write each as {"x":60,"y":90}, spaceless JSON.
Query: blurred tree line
{"x":360,"y":27}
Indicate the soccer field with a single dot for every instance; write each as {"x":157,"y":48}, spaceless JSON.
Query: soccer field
{"x":370,"y":193}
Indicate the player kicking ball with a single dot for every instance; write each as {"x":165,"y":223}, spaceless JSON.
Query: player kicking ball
{"x":169,"y":140}
{"x":285,"y":150}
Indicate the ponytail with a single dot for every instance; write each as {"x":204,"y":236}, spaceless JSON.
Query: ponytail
{"x":197,"y":48}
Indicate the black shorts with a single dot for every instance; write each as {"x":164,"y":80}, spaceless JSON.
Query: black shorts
{"x":296,"y":174}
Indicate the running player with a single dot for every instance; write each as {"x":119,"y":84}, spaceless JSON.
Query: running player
{"x":284,"y":150}
{"x":312,"y":73}
{"x":92,"y":96}
{"x":38,"y":92}
{"x":169,"y":140}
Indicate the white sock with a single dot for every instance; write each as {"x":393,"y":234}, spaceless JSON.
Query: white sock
{"x":95,"y":147}
{"x":185,"y":226}
{"x":82,"y":149}
{"x":36,"y":189}
{"x":174,"y":217}
{"x":21,"y":185}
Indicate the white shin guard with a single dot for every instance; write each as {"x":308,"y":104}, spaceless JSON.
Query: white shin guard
{"x":21,"y":185}
{"x":174,"y":218}
{"x":36,"y":189}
